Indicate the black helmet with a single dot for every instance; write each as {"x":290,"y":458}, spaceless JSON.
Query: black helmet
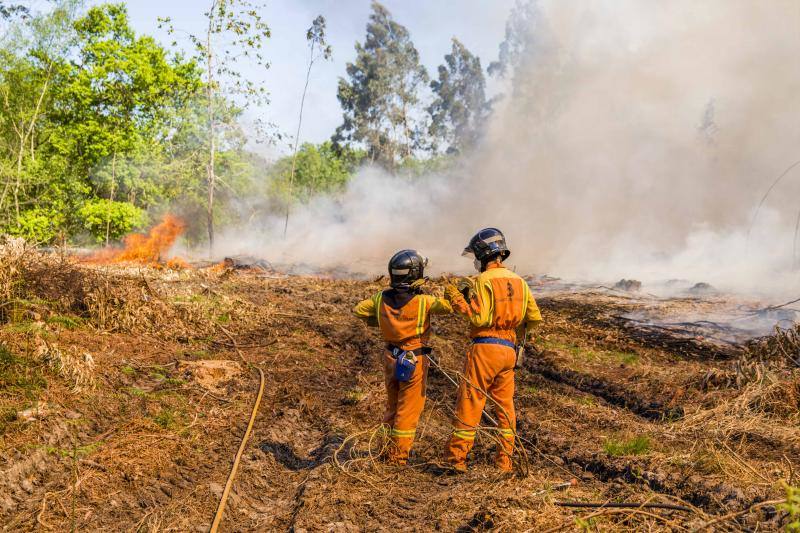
{"x":487,"y":244}
{"x":406,"y":267}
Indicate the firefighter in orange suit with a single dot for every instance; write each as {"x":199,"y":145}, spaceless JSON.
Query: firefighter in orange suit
{"x":497,"y":303}
{"x":403,"y":315}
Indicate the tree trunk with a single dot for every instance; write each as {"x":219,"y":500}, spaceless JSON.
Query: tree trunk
{"x":18,"y":182}
{"x":297,"y":141}
{"x":111,"y":196}
{"x":212,"y":144}
{"x":25,"y":134}
{"x":406,"y":132}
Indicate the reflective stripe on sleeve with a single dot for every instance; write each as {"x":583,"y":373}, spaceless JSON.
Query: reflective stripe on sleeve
{"x":378,"y":300}
{"x":526,"y":294}
{"x":421,"y":315}
{"x":403,"y":432}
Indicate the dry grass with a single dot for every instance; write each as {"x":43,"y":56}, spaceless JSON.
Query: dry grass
{"x":76,"y":367}
{"x":148,"y":447}
{"x":764,"y":410}
{"x":783,"y":345}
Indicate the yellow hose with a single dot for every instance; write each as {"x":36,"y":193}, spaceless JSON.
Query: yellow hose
{"x":229,"y":483}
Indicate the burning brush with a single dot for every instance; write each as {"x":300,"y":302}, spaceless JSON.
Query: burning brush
{"x":147,"y":249}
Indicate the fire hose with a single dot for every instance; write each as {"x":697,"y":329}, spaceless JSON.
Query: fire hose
{"x":229,"y":483}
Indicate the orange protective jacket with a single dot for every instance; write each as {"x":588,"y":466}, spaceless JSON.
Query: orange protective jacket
{"x":499,"y":302}
{"x":404,"y":319}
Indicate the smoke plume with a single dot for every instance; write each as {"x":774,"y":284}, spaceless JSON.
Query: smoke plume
{"x":636,"y":140}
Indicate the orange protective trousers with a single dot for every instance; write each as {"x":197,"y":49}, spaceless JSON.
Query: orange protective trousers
{"x":404,"y":403}
{"x":490,"y":368}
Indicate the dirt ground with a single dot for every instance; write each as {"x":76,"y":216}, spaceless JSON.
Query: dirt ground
{"x":125,"y":393}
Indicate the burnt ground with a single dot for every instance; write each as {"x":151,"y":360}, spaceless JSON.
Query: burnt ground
{"x":117,"y":413}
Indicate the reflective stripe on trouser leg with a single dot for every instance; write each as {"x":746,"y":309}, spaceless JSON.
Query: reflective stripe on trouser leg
{"x":465,"y":434}
{"x":402,"y":441}
{"x":505,"y":448}
{"x":460,"y":444}
{"x":506,"y":433}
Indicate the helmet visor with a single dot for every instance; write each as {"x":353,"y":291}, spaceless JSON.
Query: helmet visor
{"x":467,"y":252}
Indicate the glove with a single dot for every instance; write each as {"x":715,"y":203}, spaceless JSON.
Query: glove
{"x":451,"y":292}
{"x":416,"y":285}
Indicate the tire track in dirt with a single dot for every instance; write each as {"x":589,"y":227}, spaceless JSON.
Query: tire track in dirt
{"x":541,"y":363}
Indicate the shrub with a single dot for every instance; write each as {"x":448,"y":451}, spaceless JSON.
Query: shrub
{"x":117,"y":219}
{"x":166,"y":418}
{"x":37,"y":226}
{"x":65,"y":321}
{"x":20,"y":374}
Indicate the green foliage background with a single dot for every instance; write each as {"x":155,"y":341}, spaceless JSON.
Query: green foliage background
{"x":103,"y":130}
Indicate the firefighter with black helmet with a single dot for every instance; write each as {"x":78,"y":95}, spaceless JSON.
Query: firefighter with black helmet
{"x":402,"y":313}
{"x":497,"y":302}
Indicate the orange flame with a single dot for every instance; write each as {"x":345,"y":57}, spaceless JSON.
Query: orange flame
{"x":148,"y":249}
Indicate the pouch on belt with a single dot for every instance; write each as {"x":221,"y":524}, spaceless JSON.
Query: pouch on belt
{"x":405,"y":363}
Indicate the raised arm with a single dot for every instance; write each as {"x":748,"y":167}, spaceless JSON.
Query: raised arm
{"x":367,"y":310}
{"x":479,"y":307}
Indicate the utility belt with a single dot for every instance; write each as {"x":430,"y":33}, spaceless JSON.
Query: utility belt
{"x":405,"y":360}
{"x":519,"y":349}
{"x":494,"y":340}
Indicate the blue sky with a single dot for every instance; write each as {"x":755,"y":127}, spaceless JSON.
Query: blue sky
{"x":479,"y":24}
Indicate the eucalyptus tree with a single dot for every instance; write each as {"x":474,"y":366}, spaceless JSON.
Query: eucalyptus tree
{"x":380,"y":97}
{"x":459,"y":109}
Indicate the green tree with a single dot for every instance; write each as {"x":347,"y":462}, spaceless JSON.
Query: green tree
{"x":28,"y":65}
{"x":115,"y":100}
{"x":123,"y":217}
{"x":182,"y":183}
{"x":235,"y":33}
{"x":38,"y":225}
{"x":87,"y":109}
{"x":459,"y":109}
{"x":97,"y":121}
{"x":9,"y":11}
{"x":319,"y":169}
{"x":529,"y":46}
{"x":520,"y":38}
{"x":380,"y":97}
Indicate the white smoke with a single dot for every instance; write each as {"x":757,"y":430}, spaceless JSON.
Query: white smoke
{"x":638,"y":142}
